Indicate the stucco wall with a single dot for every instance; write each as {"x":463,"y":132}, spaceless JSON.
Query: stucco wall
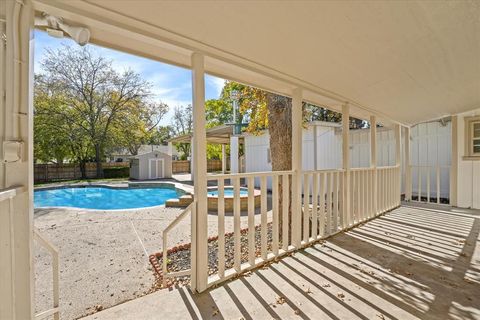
{"x":468,"y":184}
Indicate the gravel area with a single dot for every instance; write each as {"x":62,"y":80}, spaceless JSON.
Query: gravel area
{"x":104,"y":254}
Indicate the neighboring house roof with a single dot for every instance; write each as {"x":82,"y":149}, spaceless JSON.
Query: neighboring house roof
{"x":146,"y":154}
{"x":144,"y":148}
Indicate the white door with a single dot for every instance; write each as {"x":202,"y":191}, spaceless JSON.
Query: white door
{"x":152,"y":169}
{"x":155,"y":169}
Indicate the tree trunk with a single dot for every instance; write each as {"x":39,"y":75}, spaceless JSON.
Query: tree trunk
{"x":83,"y":169}
{"x":98,"y":161}
{"x":280,"y":129}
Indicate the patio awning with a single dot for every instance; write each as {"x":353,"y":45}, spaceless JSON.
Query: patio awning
{"x":216,"y":135}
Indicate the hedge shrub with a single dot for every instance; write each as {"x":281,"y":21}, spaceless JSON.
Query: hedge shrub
{"x":116,"y":172}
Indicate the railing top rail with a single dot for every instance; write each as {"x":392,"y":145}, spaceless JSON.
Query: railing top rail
{"x":388,"y":167}
{"x":323,"y":170}
{"x":178,"y":218}
{"x":10,"y":192}
{"x":44,"y":242}
{"x":211,"y":177}
{"x":431,"y":166}
{"x":364,"y":169}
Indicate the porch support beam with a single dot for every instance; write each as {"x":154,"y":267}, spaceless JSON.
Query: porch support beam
{"x":373,"y":160}
{"x":347,"y":216}
{"x":199,"y":170}
{"x":398,"y":161}
{"x":234,"y":145}
{"x":454,"y":166}
{"x":297,"y":127}
{"x":408,"y":166}
{"x":224,"y":158}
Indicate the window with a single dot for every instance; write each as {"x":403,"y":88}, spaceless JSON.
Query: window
{"x":476,"y":137}
{"x":472,"y":138}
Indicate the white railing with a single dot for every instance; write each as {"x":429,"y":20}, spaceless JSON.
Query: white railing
{"x":274,"y":230}
{"x":165,"y":273}
{"x":267,"y":207}
{"x":430,"y":184}
{"x":55,"y":310}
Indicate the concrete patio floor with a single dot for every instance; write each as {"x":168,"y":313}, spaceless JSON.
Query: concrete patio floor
{"x":412,"y":263}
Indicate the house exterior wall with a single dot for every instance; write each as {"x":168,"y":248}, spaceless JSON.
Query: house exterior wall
{"x":430,"y":145}
{"x":468,"y":174}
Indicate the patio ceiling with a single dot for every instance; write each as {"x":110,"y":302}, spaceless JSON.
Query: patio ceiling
{"x":407,"y":61}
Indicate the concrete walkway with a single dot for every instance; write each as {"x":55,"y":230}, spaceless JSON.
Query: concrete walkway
{"x":409,"y":264}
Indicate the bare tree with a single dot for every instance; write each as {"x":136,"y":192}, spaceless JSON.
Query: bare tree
{"x":182,"y":123}
{"x":96,"y":94}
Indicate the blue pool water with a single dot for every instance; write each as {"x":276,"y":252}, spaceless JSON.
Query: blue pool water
{"x":103,"y":198}
{"x":228,"y":192}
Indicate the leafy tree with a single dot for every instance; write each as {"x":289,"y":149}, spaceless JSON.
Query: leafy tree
{"x":135,"y":127}
{"x":160,"y":135}
{"x":95,"y":95}
{"x":57,"y":132}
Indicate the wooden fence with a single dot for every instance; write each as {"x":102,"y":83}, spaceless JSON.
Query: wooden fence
{"x":57,"y":172}
{"x":183,"y":166}
{"x":68,"y":171}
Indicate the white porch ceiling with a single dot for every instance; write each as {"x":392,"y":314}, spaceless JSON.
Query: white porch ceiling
{"x":409,"y":61}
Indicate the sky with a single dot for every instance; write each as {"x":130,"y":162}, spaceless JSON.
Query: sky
{"x":170,"y":84}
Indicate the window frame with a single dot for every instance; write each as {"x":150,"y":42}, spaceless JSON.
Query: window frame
{"x":469,"y":153}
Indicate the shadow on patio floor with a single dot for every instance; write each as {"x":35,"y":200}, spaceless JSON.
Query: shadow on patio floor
{"x":411,"y":263}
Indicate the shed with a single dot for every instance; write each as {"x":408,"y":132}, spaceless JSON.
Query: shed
{"x":151,"y":165}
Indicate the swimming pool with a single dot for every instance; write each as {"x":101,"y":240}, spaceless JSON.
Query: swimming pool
{"x":227,"y":192}
{"x":104,"y":198}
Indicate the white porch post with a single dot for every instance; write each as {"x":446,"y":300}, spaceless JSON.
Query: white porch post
{"x":199,"y":155}
{"x":297,"y":166}
{"x":192,"y":163}
{"x":373,"y":160}
{"x":398,"y":160}
{"x":346,"y":165}
{"x":454,"y":166}
{"x":234,"y":167}
{"x":16,"y":212}
{"x":408,"y":167}
{"x":224,"y":159}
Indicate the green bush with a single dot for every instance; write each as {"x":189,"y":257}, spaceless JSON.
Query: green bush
{"x":116,"y":172}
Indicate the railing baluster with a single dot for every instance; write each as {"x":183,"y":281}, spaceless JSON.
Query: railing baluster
{"x":314,"y":207}
{"x":438,"y":183}
{"x":419,"y":189}
{"x":428,"y":184}
{"x":306,"y":206}
{"x":285,"y":211}
{"x":341,"y":193}
{"x":236,"y":225}
{"x":251,"y":221}
{"x":263,"y":218}
{"x":275,"y":215}
{"x":329,"y":203}
{"x":321,"y":210}
{"x":335,"y":201}
{"x":354,"y":198}
{"x":221,"y":228}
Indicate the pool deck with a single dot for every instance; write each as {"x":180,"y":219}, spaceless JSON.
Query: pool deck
{"x":104,"y":254}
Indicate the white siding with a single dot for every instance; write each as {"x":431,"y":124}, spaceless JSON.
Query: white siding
{"x":468,"y":186}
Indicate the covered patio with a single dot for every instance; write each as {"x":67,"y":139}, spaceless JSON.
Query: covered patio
{"x":337,"y":243}
{"x":411,"y":263}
